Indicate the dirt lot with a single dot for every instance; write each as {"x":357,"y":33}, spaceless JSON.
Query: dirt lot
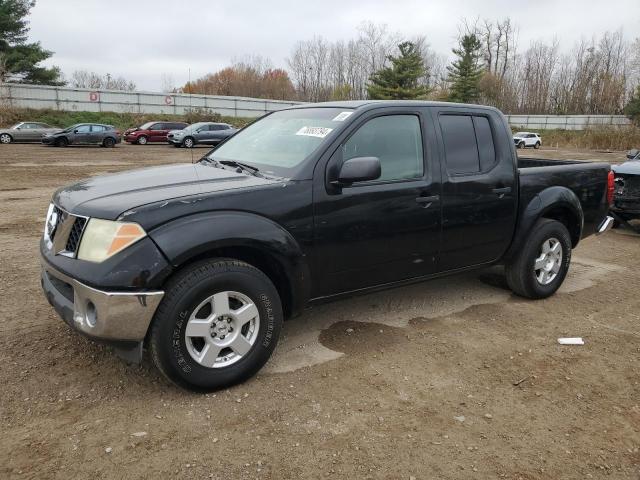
{"x":451,"y":379}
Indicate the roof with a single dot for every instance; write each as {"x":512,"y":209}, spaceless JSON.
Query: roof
{"x":363,"y":104}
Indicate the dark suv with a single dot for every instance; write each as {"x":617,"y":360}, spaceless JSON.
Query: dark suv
{"x":152,"y":132}
{"x":84,"y":134}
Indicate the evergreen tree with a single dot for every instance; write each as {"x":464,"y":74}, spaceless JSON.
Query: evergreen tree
{"x":18,"y":59}
{"x":400,"y":81}
{"x":465,"y":73}
{"x":632,"y":110}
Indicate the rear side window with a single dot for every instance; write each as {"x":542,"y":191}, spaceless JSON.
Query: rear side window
{"x":468,"y":144}
{"x":97,"y":128}
{"x":396,"y":140}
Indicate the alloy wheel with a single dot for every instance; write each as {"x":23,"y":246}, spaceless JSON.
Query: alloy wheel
{"x":549,"y":261}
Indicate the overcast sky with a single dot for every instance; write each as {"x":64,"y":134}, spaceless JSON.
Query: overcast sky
{"x":144,"y":39}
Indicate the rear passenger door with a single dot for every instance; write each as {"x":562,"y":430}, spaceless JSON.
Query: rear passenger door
{"x":97,"y":133}
{"x":478,"y":191}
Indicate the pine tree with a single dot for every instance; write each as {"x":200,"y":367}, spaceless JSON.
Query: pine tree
{"x":465,"y":73}
{"x":18,"y":59}
{"x":632,"y":109}
{"x":399,"y":81}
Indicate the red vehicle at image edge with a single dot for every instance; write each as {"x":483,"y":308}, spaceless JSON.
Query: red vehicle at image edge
{"x":152,"y":132}
{"x":201,"y":263}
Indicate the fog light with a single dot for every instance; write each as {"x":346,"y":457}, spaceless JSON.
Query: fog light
{"x":91,"y":315}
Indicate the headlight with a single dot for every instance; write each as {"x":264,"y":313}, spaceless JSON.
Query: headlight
{"x":104,"y":238}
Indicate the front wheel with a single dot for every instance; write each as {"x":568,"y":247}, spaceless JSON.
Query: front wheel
{"x":62,"y":142}
{"x":188,"y":142}
{"x":521,"y":145}
{"x":142,"y":140}
{"x":5,"y":138}
{"x":543,"y":262}
{"x":217,"y":325}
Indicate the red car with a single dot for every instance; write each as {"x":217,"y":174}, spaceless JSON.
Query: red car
{"x":152,"y":132}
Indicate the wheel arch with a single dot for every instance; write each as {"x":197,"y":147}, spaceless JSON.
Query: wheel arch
{"x":251,"y":238}
{"x":8,"y":135}
{"x":555,"y":203}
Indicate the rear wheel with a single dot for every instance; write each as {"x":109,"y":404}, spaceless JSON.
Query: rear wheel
{"x":543,"y":262}
{"x":5,"y":138}
{"x":108,"y":142}
{"x":217,"y":325}
{"x":142,"y":140}
{"x":188,"y":142}
{"x":62,"y":142}
{"x":537,"y":145}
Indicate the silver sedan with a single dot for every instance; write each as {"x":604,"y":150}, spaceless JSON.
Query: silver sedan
{"x":26,"y":132}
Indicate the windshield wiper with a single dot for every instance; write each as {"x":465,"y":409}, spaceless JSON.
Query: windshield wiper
{"x":242,"y":166}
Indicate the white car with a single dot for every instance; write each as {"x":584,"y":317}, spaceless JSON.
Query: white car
{"x":527,"y":139}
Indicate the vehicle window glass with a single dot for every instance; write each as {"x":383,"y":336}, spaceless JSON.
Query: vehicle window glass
{"x":42,"y":125}
{"x":461,"y":150}
{"x":157,"y":126}
{"x":395,"y":139}
{"x":486,"y":147}
{"x":83,"y":128}
{"x":97,"y":128}
{"x":28,"y":126}
{"x":215,"y":127}
{"x":178,"y":126}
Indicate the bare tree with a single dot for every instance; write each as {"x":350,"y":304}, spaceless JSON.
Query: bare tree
{"x":86,"y":79}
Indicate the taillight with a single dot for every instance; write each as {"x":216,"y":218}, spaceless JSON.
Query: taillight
{"x":610,"y":187}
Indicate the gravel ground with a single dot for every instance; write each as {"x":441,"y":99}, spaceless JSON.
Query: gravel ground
{"x":452,"y":379}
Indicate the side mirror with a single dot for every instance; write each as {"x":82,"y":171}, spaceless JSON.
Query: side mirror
{"x":359,"y":169}
{"x":75,"y":131}
{"x":631,"y":154}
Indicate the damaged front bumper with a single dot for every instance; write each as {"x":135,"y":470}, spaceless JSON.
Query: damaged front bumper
{"x":118,"y":318}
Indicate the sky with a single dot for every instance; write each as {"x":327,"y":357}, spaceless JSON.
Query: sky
{"x":148,"y":40}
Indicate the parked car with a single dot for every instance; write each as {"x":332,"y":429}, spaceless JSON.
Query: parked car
{"x":308,"y":204}
{"x":626,"y":201}
{"x":208,"y":133}
{"x":153,"y":132}
{"x":26,"y":132}
{"x":527,"y":139}
{"x":84,"y":134}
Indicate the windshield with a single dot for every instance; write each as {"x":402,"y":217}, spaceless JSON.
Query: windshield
{"x":72,"y":127}
{"x":281,"y":141}
{"x":520,"y":134}
{"x":195,"y":126}
{"x":146,"y":126}
{"x":16,"y":126}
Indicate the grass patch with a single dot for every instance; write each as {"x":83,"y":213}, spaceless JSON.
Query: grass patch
{"x":613,"y":139}
{"x":63,"y":118}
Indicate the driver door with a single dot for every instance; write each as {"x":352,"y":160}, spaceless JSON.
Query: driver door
{"x":381,"y":231}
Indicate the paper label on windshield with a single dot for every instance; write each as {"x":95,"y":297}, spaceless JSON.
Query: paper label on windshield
{"x":341,"y":117}
{"x":319,"y":132}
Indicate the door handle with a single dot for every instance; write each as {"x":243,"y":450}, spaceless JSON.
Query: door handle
{"x":501,"y":191}
{"x":427,"y":201}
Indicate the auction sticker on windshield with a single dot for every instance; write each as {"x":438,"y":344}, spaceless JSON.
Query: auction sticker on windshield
{"x":342,"y":116}
{"x":319,"y":132}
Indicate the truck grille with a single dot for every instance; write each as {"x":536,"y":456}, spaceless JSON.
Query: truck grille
{"x":63,"y":231}
{"x":73,"y":242}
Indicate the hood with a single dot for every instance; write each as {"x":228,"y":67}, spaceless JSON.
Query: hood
{"x":108,"y":196}
{"x":631,"y":167}
{"x":131,"y":130}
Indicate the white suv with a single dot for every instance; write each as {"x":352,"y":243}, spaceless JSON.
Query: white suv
{"x":527,"y":139}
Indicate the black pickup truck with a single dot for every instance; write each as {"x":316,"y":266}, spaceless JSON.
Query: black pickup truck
{"x":202,"y":262}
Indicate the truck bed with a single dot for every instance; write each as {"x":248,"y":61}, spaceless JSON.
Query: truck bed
{"x":588,"y":180}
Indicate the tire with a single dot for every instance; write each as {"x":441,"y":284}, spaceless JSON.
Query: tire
{"x":188,"y":142}
{"x":521,"y":273}
{"x":177,"y":145}
{"x":62,"y":142}
{"x":189,"y":302}
{"x":142,"y":140}
{"x":537,"y":145}
{"x":521,"y":145}
{"x":5,"y":138}
{"x":109,"y":142}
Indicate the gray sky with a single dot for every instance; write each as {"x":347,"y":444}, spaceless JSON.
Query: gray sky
{"x":144,"y":39}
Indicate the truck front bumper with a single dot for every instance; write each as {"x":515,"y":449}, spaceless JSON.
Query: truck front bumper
{"x":115,"y":317}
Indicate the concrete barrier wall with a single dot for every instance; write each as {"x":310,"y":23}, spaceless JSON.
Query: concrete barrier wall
{"x":83,"y":99}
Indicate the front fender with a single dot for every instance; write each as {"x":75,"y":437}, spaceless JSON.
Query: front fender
{"x":547,"y":203}
{"x":197,"y":235}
